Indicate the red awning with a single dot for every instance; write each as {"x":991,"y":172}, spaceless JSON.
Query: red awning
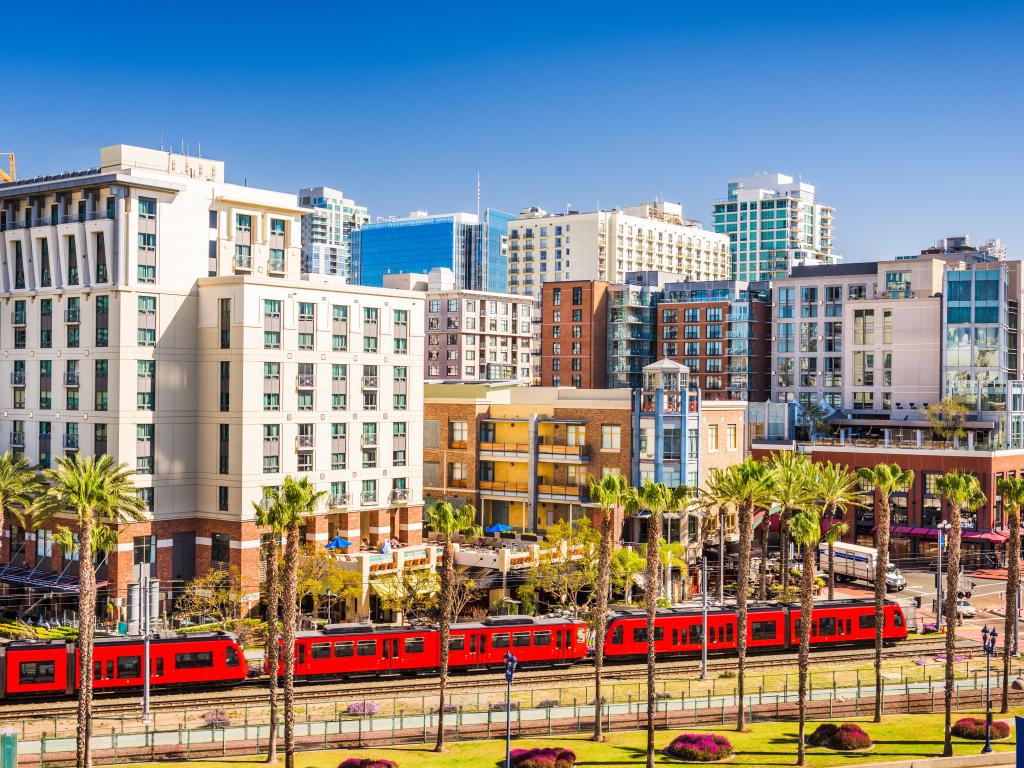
{"x":995,"y":537}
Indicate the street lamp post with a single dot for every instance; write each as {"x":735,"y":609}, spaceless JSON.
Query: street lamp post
{"x":721,"y":556}
{"x":510,"y":671}
{"x":704,"y":620}
{"x":943,"y":528}
{"x":988,"y":642}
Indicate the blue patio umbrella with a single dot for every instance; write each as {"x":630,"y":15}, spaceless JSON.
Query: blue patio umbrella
{"x":337,"y":543}
{"x":498,"y":528}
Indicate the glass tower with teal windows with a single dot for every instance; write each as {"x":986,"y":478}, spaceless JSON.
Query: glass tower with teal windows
{"x":474,"y":247}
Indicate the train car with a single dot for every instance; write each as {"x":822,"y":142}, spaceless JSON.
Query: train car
{"x":40,"y":668}
{"x":365,"y":649}
{"x":845,"y":622}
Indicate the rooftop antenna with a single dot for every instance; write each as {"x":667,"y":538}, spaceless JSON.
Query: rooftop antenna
{"x":567,"y":206}
{"x":161,"y":139}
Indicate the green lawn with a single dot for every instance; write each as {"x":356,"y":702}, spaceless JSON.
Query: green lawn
{"x":768,"y":744}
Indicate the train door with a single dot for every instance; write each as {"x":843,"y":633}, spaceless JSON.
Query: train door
{"x":477,"y":649}
{"x":389,"y":653}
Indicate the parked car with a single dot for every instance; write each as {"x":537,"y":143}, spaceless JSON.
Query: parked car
{"x":965,"y":609}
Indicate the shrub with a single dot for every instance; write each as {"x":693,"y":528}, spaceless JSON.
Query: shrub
{"x":216,"y":718}
{"x":499,"y":706}
{"x":840,"y":737}
{"x":363,"y":709}
{"x":699,"y":747}
{"x":974,"y":728}
{"x":367,"y":762}
{"x":548,"y":703}
{"x":542,"y":757}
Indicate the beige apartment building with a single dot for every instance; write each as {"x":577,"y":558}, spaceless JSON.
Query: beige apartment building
{"x":156,"y":313}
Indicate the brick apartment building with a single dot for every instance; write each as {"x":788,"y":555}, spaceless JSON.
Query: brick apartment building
{"x":574,"y":334}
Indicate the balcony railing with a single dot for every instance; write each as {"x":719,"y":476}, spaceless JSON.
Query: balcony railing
{"x":567,"y":451}
{"x":368,"y":440}
{"x":503,"y":487}
{"x":243,"y":262}
{"x":304,"y":380}
{"x":18,"y":317}
{"x":18,"y":378}
{"x":276,"y":264}
{"x":457,"y":444}
{"x":72,"y":315}
{"x":304,"y":442}
{"x":561,"y":491}
{"x":400,"y":496}
{"x":368,"y":497}
{"x":369,"y":382}
{"x":71,"y":442}
{"x":17,"y":439}
{"x":340,"y":500}
{"x":504,"y":448}
{"x":71,"y":378}
{"x":99,"y":215}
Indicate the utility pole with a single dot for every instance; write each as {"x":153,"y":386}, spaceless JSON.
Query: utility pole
{"x":943,"y":527}
{"x":721,"y":556}
{"x":144,"y":621}
{"x":704,"y":620}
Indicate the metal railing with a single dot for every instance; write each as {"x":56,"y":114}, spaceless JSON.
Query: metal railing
{"x":400,"y":495}
{"x":72,"y":315}
{"x":304,"y":380}
{"x":71,"y":378}
{"x":504,"y":487}
{"x":18,"y":378}
{"x":304,"y":441}
{"x":17,"y":439}
{"x":368,"y":440}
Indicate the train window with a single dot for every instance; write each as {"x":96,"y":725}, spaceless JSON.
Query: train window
{"x":728,"y":633}
{"x":230,"y":656}
{"x":415,"y":644}
{"x":194,"y":660}
{"x":344,"y":648}
{"x":696,"y":634}
{"x":542,"y":638}
{"x":521,"y":639}
{"x":158,"y":666}
{"x":499,"y":640}
{"x":617,"y":635}
{"x":129,"y":666}
{"x":36,"y":672}
{"x":763,"y":630}
{"x":581,"y":635}
{"x":320,"y":650}
{"x":367,"y":648}
{"x":867,"y":621}
{"x":675,"y":636}
{"x":97,"y":670}
{"x":110,"y":670}
{"x":848,"y":625}
{"x":814,"y":629}
{"x":897,"y":618}
{"x":640,"y":634}
{"x":827,"y":625}
{"x":457,"y":643}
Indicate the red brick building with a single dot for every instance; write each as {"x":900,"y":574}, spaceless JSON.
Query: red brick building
{"x":574,"y":334}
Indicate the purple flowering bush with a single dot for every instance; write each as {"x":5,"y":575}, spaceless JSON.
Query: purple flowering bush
{"x":847,"y":736}
{"x":699,"y":747}
{"x":974,"y":728}
{"x":367,"y":762}
{"x":542,"y":757}
{"x":216,"y":718}
{"x":363,"y":709}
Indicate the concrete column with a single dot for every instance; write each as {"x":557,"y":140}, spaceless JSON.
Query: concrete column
{"x":348,"y":528}
{"x":378,"y":526}
{"x":410,"y":525}
{"x":659,"y":433}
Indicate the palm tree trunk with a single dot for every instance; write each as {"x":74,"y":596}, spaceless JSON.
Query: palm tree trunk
{"x":952,"y":577}
{"x":1012,"y":585}
{"x":784,"y":554}
{"x":273,"y":643}
{"x":882,"y":539}
{"x":803,"y":658}
{"x":831,"y":569}
{"x":448,"y":555}
{"x":651,"y":603}
{"x":604,"y":567}
{"x":86,"y":636}
{"x":762,"y":583}
{"x":291,"y":578}
{"x":742,"y":587}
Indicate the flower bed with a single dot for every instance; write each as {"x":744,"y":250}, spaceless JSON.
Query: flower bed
{"x":699,"y":747}
{"x":846,"y":737}
{"x":542,"y":757}
{"x":363,"y":709}
{"x":216,"y":718}
{"x":973,"y":728}
{"x":367,"y":762}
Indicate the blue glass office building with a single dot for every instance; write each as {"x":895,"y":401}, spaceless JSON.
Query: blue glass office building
{"x":475,"y":249}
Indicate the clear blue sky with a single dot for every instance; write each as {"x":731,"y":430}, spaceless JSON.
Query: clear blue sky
{"x":908,"y":117}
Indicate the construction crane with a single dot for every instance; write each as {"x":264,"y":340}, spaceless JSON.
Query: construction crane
{"x":9,"y":175}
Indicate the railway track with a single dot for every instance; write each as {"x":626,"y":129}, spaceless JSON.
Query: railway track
{"x":253,"y":692}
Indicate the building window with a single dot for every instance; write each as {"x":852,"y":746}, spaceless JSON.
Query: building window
{"x":144,"y":550}
{"x":222,"y":498}
{"x":220,"y":551}
{"x":458,"y":434}
{"x":611,"y":436}
{"x":730,"y":437}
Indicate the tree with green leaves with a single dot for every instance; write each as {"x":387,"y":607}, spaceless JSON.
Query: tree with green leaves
{"x":961,"y":490}
{"x":627,"y":564}
{"x":99,"y":491}
{"x":673,"y":554}
{"x":559,"y":582}
{"x":297,"y":500}
{"x":216,"y":596}
{"x":792,"y":490}
{"x":655,"y":498}
{"x":744,"y":487}
{"x":19,"y":485}
{"x":838,"y":490}
{"x":886,"y":479}
{"x":607,"y":494}
{"x":414,"y":593}
{"x":270,"y":514}
{"x":1011,"y":489}
{"x":447,"y":523}
{"x":948,"y":418}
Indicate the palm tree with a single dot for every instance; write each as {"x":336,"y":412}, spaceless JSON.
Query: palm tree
{"x":1012,"y":491}
{"x":673,"y":554}
{"x":297,"y":500}
{"x":837,"y":490}
{"x":447,"y":523}
{"x":963,"y":491}
{"x":764,"y":530}
{"x":743,"y":486}
{"x":606,"y":493}
{"x":97,"y":490}
{"x":792,"y":490}
{"x":655,"y":498}
{"x":886,"y":479}
{"x":19,"y":485}
{"x":805,"y":524}
{"x":269,"y":514}
{"x":626,"y":564}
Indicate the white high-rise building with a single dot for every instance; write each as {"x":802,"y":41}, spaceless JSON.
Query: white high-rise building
{"x":157,"y":314}
{"x":605,"y":245}
{"x":773,"y":224}
{"x":327,"y":233}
